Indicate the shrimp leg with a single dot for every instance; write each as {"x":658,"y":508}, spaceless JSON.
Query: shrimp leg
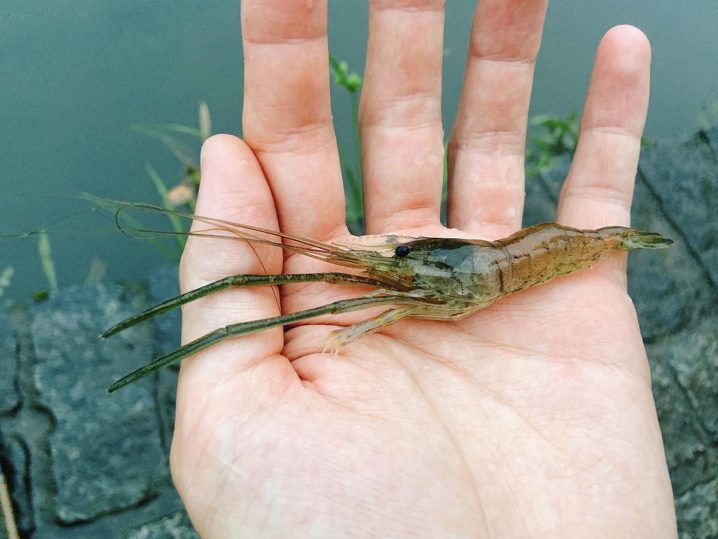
{"x":253,"y":326}
{"x":239,"y":281}
{"x":342,"y":337}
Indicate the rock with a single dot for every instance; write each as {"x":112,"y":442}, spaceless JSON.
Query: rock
{"x":692,"y":458}
{"x":14,"y":459}
{"x":684,"y":177}
{"x":8,"y":365}
{"x":542,"y":193}
{"x":668,"y":291}
{"x":106,"y":454}
{"x":554,"y":178}
{"x":163,"y":286}
{"x":175,"y":526}
{"x":697,"y":512}
{"x":693,"y":355}
{"x":166,"y":395}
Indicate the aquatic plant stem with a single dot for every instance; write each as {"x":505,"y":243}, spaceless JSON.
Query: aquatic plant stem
{"x":356,"y":185}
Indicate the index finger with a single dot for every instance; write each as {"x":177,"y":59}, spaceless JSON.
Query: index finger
{"x":287,"y":118}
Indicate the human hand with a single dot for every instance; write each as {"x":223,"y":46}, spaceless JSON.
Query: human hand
{"x":533,"y":417}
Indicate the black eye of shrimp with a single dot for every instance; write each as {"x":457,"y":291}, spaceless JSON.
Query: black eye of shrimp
{"x":402,"y":250}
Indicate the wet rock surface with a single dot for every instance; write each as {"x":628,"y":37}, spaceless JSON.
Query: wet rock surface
{"x":683,"y":177}
{"x":176,"y":525}
{"x":164,"y":285}
{"x":80,"y":462}
{"x":8,"y":365}
{"x":697,"y":512}
{"x":690,"y":452}
{"x":698,"y":376}
{"x":104,"y":449}
{"x":84,"y":464}
{"x":15,"y":467}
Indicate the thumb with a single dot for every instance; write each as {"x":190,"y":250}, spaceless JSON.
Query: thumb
{"x":233,"y":188}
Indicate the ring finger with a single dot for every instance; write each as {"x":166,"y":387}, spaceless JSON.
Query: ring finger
{"x":486,"y":150}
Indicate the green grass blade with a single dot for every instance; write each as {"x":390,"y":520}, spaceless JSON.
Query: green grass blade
{"x":205,"y":121}
{"x":48,"y":266}
{"x":175,"y":221}
{"x":177,"y":147}
{"x":152,"y":129}
{"x":6,"y":278}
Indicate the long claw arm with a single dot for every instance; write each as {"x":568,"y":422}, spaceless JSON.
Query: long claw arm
{"x":238,"y":281}
{"x":253,"y":326}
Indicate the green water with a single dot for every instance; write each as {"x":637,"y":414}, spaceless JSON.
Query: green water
{"x":76,"y":74}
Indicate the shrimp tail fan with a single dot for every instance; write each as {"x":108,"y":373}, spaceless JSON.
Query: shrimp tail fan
{"x":628,"y":239}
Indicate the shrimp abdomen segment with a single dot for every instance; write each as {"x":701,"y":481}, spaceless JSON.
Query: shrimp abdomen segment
{"x":541,"y":252}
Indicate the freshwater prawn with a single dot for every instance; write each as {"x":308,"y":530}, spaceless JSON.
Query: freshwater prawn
{"x":424,"y":278}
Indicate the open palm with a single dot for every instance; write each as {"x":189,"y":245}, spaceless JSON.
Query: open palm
{"x":532,"y":418}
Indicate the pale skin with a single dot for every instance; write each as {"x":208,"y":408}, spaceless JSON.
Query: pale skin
{"x":532,"y":418}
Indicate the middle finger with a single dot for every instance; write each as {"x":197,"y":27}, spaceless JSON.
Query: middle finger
{"x":400,"y":115}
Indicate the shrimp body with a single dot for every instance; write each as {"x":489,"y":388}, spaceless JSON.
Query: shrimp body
{"x":470,"y":274}
{"x":431,"y":278}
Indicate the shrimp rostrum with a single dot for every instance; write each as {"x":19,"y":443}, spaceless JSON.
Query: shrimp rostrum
{"x":429,"y":278}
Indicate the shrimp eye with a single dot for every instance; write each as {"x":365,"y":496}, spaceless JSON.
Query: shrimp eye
{"x":402,"y":250}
